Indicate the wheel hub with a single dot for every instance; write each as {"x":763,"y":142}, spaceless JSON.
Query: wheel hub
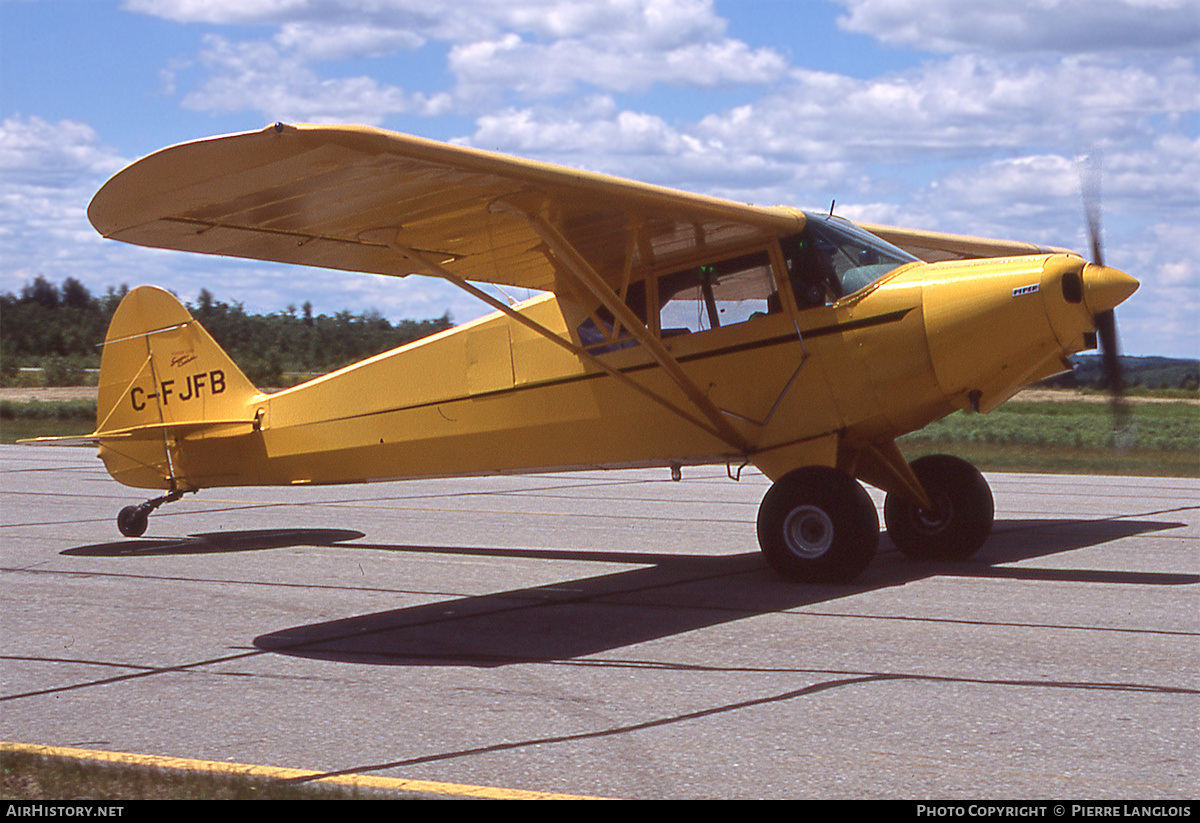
{"x":808,"y":531}
{"x":932,"y":522}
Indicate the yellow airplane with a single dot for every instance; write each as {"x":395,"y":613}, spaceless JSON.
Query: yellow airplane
{"x":675,"y":329}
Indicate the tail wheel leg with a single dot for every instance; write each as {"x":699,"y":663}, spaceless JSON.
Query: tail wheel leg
{"x":960,"y":521}
{"x":818,"y":525}
{"x":133,"y":520}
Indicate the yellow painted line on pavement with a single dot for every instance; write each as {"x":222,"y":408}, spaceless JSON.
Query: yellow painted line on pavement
{"x":276,"y":773}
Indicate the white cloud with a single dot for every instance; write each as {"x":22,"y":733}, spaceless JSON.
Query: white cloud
{"x":980,"y":138}
{"x":564,"y":65}
{"x":497,"y":50}
{"x":976,"y":144}
{"x":972,"y":103}
{"x":662,"y":23}
{"x":333,"y":42}
{"x":1161,"y":317}
{"x":48,"y":172}
{"x":598,"y":135}
{"x":1028,"y":25}
{"x":966,"y":117}
{"x":258,"y":76}
{"x":37,"y":153}
{"x":219,"y":11}
{"x":658,"y":24}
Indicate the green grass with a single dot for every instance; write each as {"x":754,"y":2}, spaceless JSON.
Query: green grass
{"x":21,"y":420}
{"x":74,"y":410}
{"x":1068,"y":436}
{"x":36,"y":777}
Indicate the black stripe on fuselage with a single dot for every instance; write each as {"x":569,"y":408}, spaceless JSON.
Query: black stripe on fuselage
{"x":820,"y":331}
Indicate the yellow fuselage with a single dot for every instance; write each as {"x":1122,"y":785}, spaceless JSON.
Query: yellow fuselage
{"x":800,"y":387}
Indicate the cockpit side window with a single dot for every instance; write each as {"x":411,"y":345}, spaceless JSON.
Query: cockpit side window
{"x":717,"y":294}
{"x":828,"y":260}
{"x":813,"y":279}
{"x":600,"y":333}
{"x":832,"y":258}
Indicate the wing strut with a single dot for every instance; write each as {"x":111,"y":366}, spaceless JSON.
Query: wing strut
{"x":591,"y":280}
{"x":437,"y":270}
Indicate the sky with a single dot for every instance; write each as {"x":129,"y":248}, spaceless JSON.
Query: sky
{"x":938,"y":114}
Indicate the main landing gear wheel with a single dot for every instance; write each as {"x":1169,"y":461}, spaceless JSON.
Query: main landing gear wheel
{"x":818,"y":525}
{"x":961,"y":519}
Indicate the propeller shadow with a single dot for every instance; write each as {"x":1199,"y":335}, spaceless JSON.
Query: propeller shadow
{"x":664,"y":596}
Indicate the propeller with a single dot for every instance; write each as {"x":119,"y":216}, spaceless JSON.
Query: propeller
{"x":1105,"y":321}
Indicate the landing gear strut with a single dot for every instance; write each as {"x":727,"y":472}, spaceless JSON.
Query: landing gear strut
{"x":132,"y":520}
{"x":818,"y":525}
{"x":960,"y":520}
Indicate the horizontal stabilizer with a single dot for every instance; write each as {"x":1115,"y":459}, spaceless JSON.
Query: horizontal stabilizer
{"x":210,"y":428}
{"x":65,"y":440}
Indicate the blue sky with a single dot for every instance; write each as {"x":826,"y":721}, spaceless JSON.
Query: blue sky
{"x":963,"y":117}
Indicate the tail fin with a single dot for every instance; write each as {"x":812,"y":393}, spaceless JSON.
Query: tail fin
{"x":163,"y":377}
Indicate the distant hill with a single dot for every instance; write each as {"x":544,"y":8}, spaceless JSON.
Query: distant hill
{"x":1139,"y":372}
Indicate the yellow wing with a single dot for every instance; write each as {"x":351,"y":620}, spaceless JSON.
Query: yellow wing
{"x":932,"y":246}
{"x":347,"y":197}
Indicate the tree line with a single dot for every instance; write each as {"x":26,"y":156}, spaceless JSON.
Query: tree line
{"x":60,"y":329}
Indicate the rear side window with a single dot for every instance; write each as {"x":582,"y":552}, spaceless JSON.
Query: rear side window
{"x":717,"y":294}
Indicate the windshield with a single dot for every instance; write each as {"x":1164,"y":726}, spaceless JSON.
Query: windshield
{"x":844,"y":256}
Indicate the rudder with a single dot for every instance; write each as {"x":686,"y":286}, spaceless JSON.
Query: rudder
{"x":161,"y":377}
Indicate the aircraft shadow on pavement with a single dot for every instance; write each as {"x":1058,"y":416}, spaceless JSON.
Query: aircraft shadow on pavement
{"x":218,"y":542}
{"x":667,"y":594}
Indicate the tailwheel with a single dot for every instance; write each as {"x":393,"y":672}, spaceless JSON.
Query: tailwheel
{"x":133,"y":520}
{"x":960,"y":521}
{"x":818,"y":525}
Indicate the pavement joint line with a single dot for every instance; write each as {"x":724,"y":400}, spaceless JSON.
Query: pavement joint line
{"x":280,"y":773}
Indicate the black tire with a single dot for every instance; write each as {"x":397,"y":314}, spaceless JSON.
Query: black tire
{"x":132,"y":522}
{"x":959,"y":525}
{"x":817,"y":525}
